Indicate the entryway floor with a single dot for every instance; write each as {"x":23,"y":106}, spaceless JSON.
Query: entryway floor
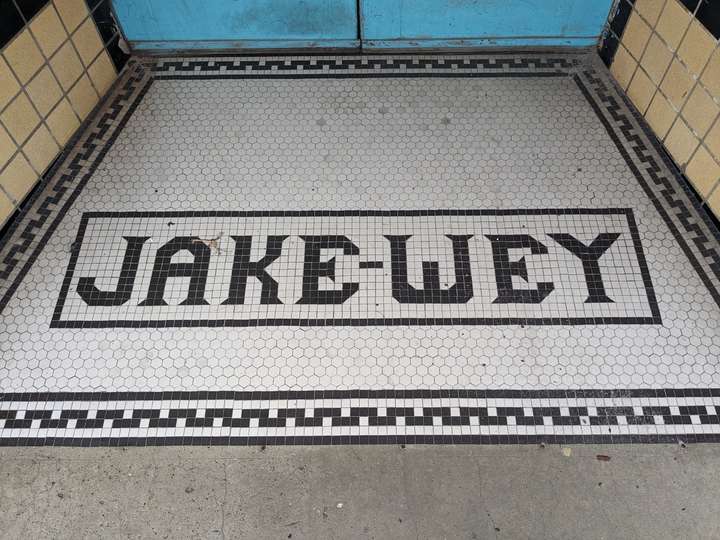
{"x":352,"y":250}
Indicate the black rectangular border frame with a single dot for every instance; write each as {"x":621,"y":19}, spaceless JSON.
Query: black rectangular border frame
{"x":655,"y":318}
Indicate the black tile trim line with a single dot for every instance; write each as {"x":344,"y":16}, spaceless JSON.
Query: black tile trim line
{"x":266,"y":395}
{"x":685,"y":438}
{"x":655,"y":317}
{"x":668,"y":201}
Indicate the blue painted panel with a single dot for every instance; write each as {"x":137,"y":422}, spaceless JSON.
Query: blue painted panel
{"x":207,"y":24}
{"x":448,"y":23}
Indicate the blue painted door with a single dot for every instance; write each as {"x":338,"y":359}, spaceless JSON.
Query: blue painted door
{"x":264,"y":24}
{"x":481,"y":23}
{"x":238,"y":24}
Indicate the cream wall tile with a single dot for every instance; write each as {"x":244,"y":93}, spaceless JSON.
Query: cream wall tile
{"x":6,"y":208}
{"x":18,"y":178}
{"x":87,"y":41}
{"x":681,"y":142}
{"x":20,"y":118}
{"x":712,"y":140}
{"x":677,"y":84}
{"x":83,"y":97}
{"x":636,"y":35}
{"x":696,"y":47}
{"x":703,"y":171}
{"x":48,"y":30}
{"x":8,"y":83}
{"x":649,"y":9}
{"x":711,"y":76}
{"x":66,"y":65}
{"x":656,"y":59}
{"x":641,"y":90}
{"x":44,"y":91}
{"x":7,"y":146}
{"x":63,"y":122}
{"x":714,"y":202}
{"x":72,"y":12}
{"x":623,"y":67}
{"x":24,"y":56}
{"x":41,"y":149}
{"x":700,"y":111}
{"x":102,"y":72}
{"x":672,"y":23}
{"x":660,"y":115}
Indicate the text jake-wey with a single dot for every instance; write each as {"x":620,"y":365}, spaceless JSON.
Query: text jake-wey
{"x":314,"y":268}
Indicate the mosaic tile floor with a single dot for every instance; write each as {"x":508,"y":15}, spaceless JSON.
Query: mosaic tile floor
{"x":335,"y":250}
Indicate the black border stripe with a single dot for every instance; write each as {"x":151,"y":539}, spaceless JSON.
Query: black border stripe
{"x":380,"y":75}
{"x":688,"y":438}
{"x":363,"y":213}
{"x":266,"y":395}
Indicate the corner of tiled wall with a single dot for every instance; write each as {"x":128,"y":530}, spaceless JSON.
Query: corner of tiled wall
{"x":665,"y":54}
{"x":58,"y":58}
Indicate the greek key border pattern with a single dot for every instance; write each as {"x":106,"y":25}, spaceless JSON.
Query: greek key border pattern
{"x":301,"y":66}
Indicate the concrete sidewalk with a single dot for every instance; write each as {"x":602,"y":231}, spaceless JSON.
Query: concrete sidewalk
{"x":643,"y":491}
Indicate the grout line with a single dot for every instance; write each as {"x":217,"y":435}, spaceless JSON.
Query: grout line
{"x":24,"y":86}
{"x":10,"y":198}
{"x":20,"y":150}
{"x":696,"y":83}
{"x":69,"y":39}
{"x":716,"y":186}
{"x":638,"y":66}
{"x":675,"y":56}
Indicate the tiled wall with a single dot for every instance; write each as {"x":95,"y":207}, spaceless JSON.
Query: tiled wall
{"x":58,"y":58}
{"x":665,"y":55}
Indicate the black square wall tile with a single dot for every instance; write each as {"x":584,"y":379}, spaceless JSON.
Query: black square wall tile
{"x":10,"y":21}
{"x":104,"y":20}
{"x":690,"y":4}
{"x":620,"y":18}
{"x":30,"y":8}
{"x":709,"y":15}
{"x":617,"y":22}
{"x":609,"y":48}
{"x":118,"y":57}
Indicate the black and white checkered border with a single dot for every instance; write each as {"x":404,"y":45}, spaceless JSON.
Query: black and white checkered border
{"x":360,"y":417}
